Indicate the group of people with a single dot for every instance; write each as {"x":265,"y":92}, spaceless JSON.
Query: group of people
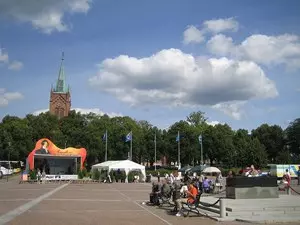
{"x":204,"y":184}
{"x":165,"y":189}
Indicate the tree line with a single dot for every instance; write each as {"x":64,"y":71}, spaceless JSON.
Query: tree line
{"x":221,"y":144}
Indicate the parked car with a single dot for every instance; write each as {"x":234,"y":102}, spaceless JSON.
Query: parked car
{"x":5,"y":172}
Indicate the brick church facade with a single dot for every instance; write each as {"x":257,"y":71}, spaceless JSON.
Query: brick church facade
{"x":60,"y":97}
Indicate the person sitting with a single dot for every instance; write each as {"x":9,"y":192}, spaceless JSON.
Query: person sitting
{"x":191,"y":196}
{"x":165,"y":190}
{"x":252,"y":172}
{"x":206,"y":185}
{"x":156,"y":187}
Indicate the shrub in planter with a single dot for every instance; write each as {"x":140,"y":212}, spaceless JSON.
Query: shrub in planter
{"x":84,"y":172}
{"x":103,"y":175}
{"x":96,"y":174}
{"x":112,"y":176}
{"x":32,"y":175}
{"x":80,"y":174}
{"x":122,"y":176}
{"x":131,"y":175}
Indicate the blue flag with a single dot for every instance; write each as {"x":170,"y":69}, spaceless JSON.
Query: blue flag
{"x":104,"y":137}
{"x":177,"y":137}
{"x":128,"y":137}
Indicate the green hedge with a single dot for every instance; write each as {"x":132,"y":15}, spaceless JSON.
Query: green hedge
{"x":32,"y":175}
{"x":162,"y":172}
{"x":131,"y":175}
{"x":96,"y":174}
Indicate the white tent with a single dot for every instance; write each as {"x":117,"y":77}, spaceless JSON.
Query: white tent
{"x":125,"y":165}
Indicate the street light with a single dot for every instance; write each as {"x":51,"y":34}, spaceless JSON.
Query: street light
{"x":8,"y":169}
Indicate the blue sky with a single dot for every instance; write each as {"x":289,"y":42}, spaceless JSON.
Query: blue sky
{"x":238,"y":61}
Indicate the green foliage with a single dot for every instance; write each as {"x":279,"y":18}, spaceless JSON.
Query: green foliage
{"x":32,"y":175}
{"x":96,"y":174}
{"x":162,"y":172}
{"x":80,"y":174}
{"x":221,"y":145}
{"x":131,"y":175}
{"x":84,"y":172}
{"x":112,"y":175}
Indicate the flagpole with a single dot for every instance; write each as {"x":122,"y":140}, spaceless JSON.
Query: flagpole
{"x":106,"y":145}
{"x":131,"y":146}
{"x":155,"y":151}
{"x":201,"y":151}
{"x":179,"y":164}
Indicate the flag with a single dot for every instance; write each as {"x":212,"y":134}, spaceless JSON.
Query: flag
{"x":177,"y":137}
{"x":128,"y":137}
{"x":104,"y":137}
{"x":200,"y":138}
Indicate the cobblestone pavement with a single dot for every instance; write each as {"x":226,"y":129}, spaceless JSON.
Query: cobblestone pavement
{"x":112,"y":204}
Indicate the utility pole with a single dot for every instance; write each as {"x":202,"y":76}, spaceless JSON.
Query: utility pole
{"x":155,"y":151}
{"x":201,"y":145}
{"x":179,"y":164}
{"x":105,"y":145}
{"x":8,"y":169}
{"x":131,"y":146}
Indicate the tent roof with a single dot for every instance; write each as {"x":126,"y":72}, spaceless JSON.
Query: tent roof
{"x":120,"y":164}
{"x":105,"y":164}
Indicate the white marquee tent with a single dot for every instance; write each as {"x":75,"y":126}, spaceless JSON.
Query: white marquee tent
{"x":125,"y":165}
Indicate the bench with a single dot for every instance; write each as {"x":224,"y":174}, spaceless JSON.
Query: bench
{"x":192,"y":207}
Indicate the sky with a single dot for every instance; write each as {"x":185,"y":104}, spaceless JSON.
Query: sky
{"x":237,"y":61}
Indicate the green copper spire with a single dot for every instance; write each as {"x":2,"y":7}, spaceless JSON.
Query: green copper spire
{"x":61,"y":81}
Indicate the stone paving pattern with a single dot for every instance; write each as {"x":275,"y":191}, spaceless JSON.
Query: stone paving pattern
{"x":112,"y":204}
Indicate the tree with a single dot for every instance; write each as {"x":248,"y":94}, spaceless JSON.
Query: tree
{"x":221,"y":145}
{"x":293,"y":137}
{"x":272,"y":137}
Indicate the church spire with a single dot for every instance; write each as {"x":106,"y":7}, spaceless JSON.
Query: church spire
{"x":61,"y":81}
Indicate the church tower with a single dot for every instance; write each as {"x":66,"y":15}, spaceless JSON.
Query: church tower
{"x":60,"y":97}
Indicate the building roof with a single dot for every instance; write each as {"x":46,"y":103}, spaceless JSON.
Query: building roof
{"x":61,"y":86}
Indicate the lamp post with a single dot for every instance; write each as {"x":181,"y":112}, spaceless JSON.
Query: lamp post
{"x":201,"y":146}
{"x":8,"y":157}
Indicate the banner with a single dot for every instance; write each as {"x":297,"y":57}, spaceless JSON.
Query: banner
{"x":60,"y":177}
{"x":46,"y":147}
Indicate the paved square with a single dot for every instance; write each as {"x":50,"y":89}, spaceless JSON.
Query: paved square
{"x":111,"y":204}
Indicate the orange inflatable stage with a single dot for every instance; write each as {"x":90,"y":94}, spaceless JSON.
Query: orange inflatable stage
{"x":46,"y":147}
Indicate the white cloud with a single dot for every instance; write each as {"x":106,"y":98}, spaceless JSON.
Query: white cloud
{"x":262,"y":49}
{"x":214,"y":123}
{"x":232,"y":109}
{"x":44,"y":14}
{"x":15,"y":65}
{"x":221,"y":25}
{"x":7,"y":97}
{"x":221,"y":45}
{"x":3,"y":56}
{"x":171,"y":77}
{"x":193,"y":34}
{"x":83,"y":111}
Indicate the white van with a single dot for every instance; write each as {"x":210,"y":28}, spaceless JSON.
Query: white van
{"x":4,"y":171}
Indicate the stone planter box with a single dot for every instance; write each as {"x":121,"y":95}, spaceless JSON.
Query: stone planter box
{"x":251,"y":187}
